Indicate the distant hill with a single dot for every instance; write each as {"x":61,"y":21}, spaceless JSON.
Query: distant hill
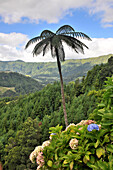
{"x":14,"y":84}
{"x":48,"y":73}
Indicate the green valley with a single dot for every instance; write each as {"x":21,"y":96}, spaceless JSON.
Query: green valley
{"x":15,"y":84}
{"x":48,"y":72}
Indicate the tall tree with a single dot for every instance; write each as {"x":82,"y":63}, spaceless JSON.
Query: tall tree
{"x":53,"y":41}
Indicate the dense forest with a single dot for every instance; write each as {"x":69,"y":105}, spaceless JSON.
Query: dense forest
{"x":15,"y":84}
{"x":25,"y":120}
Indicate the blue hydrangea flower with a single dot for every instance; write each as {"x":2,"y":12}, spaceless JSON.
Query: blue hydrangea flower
{"x":92,"y":127}
{"x":53,"y":134}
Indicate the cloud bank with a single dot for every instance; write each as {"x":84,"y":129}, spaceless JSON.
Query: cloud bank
{"x":53,"y":10}
{"x":12,"y":48}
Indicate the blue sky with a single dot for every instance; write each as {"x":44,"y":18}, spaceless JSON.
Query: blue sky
{"x":21,"y":21}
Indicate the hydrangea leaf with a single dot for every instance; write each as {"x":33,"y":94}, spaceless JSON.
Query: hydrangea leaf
{"x":102,"y":165}
{"x":65,"y":162}
{"x":85,"y":160}
{"x":50,"y":163}
{"x":110,"y":148}
{"x":71,"y":165}
{"x":96,"y":144}
{"x":56,"y":157}
{"x":106,"y":139}
{"x":100,"y":152}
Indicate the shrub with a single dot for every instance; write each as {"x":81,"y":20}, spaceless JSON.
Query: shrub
{"x":86,"y":145}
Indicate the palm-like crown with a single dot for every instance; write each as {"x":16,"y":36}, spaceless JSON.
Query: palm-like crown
{"x":49,"y":40}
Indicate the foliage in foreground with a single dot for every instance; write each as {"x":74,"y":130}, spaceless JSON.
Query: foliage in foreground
{"x":81,"y":146}
{"x":45,"y":106}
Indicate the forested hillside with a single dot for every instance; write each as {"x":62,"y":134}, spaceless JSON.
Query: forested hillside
{"x":48,"y":72}
{"x":15,"y":84}
{"x":25,"y":121}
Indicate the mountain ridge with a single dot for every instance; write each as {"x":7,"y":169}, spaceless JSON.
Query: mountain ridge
{"x":47,"y":72}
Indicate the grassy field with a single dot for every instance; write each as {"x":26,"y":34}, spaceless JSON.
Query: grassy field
{"x":4,"y":89}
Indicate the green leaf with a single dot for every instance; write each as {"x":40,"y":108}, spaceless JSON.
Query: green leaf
{"x":71,"y":165}
{"x":65,"y":162}
{"x":111,"y":134}
{"x":107,"y":123}
{"x":90,"y":136}
{"x":50,"y":163}
{"x":102,"y":165}
{"x":101,"y":105}
{"x":97,"y":143}
{"x":87,"y":157}
{"x":102,"y":132}
{"x":110,"y":157}
{"x":92,"y":166}
{"x":101,"y":110}
{"x":111,"y":138}
{"x":56,"y":157}
{"x":110,"y":148}
{"x":92,"y":159}
{"x":85,"y":160}
{"x":100,"y":114}
{"x":108,"y":115}
{"x":106,"y":139}
{"x":88,"y":153}
{"x":100,"y":152}
{"x":56,"y":129}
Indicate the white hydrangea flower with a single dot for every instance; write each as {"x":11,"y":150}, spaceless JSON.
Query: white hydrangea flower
{"x":73,"y":143}
{"x":32,"y":157}
{"x":38,"y":149}
{"x":72,"y":124}
{"x":46,"y":143}
{"x":34,"y":154}
{"x":83,"y":122}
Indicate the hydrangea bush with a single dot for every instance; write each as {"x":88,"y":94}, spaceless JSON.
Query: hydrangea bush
{"x":82,"y":146}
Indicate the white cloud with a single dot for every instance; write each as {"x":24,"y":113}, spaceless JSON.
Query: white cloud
{"x":13,"y":39}
{"x":11,"y":45}
{"x":12,"y":48}
{"x":53,"y":10}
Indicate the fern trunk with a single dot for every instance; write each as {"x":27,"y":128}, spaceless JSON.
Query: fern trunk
{"x":62,"y":89}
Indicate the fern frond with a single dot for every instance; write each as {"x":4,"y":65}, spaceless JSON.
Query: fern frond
{"x":39,"y":47}
{"x":46,"y":48}
{"x":46,"y":34}
{"x":65,"y":29}
{"x":73,"y":43}
{"x":77,"y":35}
{"x":33,"y":40}
{"x":50,"y":40}
{"x":81,"y":35}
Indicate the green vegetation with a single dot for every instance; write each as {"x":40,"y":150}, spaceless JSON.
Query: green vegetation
{"x":25,"y":121}
{"x":85,"y":145}
{"x":79,"y":148}
{"x":48,"y":72}
{"x":14,"y":84}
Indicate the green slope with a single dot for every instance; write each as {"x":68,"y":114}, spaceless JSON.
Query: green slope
{"x":14,"y":84}
{"x":43,"y":109}
{"x":47,"y":72}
